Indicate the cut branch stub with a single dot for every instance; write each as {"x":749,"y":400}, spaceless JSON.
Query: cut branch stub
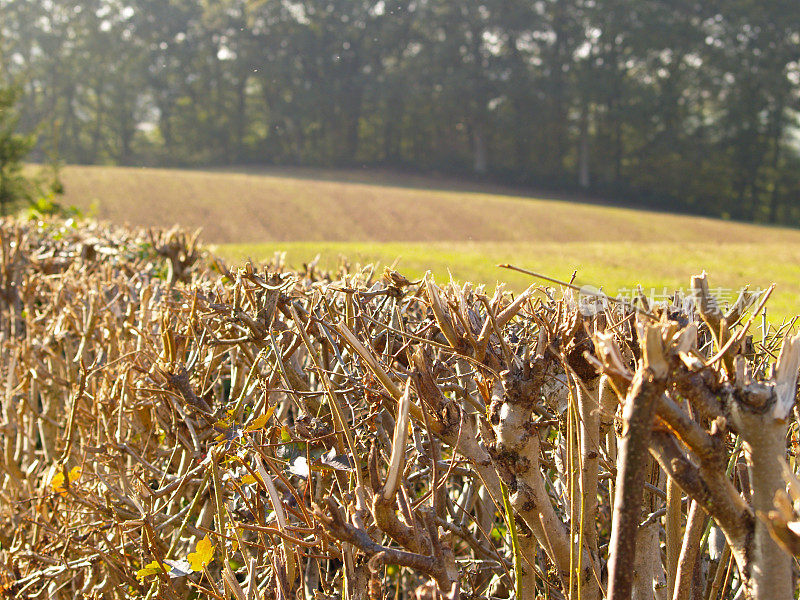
{"x":786,"y":378}
{"x":442,"y":315}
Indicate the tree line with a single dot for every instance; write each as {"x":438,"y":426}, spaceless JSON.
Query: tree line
{"x":680,"y":103}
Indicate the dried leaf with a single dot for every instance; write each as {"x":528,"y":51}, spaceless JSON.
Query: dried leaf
{"x":340,"y":462}
{"x":260,"y":422}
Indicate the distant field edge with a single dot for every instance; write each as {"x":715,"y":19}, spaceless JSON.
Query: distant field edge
{"x":285,"y":205}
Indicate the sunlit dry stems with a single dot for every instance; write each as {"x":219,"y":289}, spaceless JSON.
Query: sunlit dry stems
{"x":280,"y":515}
{"x":369,"y":358}
{"x":329,"y":352}
{"x":336,"y":406}
{"x":231,"y":584}
{"x":398,"y":445}
{"x":335,"y":522}
{"x":220,"y":515}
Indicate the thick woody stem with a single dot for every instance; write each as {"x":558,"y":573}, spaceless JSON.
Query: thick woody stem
{"x":638,"y":415}
{"x":589,"y":410}
{"x":450,"y":419}
{"x":772,"y":568}
{"x":713,"y":490}
{"x":515,"y":453}
{"x":672,"y":525}
{"x":695,"y":524}
{"x":715,"y":494}
{"x":648,"y":561}
{"x":764,"y":431}
{"x":528,"y":575}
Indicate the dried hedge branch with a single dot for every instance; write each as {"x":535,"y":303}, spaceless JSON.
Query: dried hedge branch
{"x":171,"y":427}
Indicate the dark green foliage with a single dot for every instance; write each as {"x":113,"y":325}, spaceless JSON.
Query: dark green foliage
{"x":15,"y":187}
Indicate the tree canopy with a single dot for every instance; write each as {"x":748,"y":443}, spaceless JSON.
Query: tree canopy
{"x":686,"y":104}
{"x":14,"y":147}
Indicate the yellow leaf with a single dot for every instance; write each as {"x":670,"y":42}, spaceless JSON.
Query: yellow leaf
{"x":248,"y":479}
{"x":202,"y":555}
{"x":57,"y":482}
{"x":152,"y":569}
{"x":260,"y":422}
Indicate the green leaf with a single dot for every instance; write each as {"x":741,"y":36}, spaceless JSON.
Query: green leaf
{"x":154,"y":568}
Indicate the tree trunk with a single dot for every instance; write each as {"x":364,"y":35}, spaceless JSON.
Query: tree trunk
{"x":479,"y":153}
{"x":583,"y":152}
{"x":241,"y":117}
